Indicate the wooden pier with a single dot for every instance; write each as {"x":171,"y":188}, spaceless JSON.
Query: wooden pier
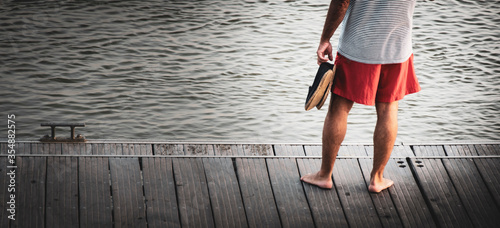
{"x":159,"y":184}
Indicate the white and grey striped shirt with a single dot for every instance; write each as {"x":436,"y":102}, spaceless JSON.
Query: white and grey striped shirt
{"x":377,"y":31}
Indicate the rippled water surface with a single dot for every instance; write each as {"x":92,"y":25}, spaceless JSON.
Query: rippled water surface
{"x":230,"y":70}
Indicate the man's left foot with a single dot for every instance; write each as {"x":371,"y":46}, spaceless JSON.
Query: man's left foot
{"x":378,"y":186}
{"x":316,"y":179}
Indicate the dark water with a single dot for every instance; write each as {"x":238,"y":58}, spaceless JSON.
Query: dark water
{"x":230,"y":70}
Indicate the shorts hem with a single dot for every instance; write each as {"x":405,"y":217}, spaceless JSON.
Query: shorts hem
{"x":370,"y":103}
{"x":398,"y":98}
{"x":363,"y":102}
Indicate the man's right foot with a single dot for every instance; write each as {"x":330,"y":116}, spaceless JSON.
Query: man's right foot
{"x":316,"y":179}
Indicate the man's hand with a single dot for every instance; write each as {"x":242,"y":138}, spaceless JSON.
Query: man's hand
{"x":325,"y":48}
{"x":334,"y":17}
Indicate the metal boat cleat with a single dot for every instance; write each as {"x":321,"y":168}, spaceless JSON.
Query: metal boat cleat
{"x":53,"y":138}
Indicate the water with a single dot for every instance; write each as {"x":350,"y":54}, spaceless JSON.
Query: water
{"x":230,"y":70}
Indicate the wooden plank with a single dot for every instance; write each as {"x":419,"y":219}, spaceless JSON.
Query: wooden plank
{"x":73,"y":148}
{"x":130,"y":149}
{"x":192,"y":193}
{"x":126,"y":184}
{"x":397,"y":151}
{"x":473,"y":192}
{"x":55,"y":148}
{"x":386,"y":209}
{"x":289,"y":150}
{"x":200,"y":149}
{"x":115,"y":149}
{"x":148,"y":149}
{"x":344,"y":150}
{"x":143,"y":149}
{"x":406,"y":195}
{"x":5,"y":181}
{"x":228,"y":150}
{"x":67,"y":149}
{"x":87,"y":149}
{"x":61,"y":203}
{"x":489,"y":169}
{"x":257,"y":193}
{"x":23,"y":148}
{"x":313,"y":150}
{"x":325,"y":204}
{"x":224,"y":191}
{"x":3,"y":148}
{"x":403,"y":151}
{"x":354,"y":150}
{"x":101,"y":148}
{"x":488,"y":149}
{"x":159,"y":190}
{"x":40,"y":148}
{"x":258,"y":150}
{"x":289,"y":194}
{"x":30,"y":192}
{"x":168,"y":149}
{"x":97,"y":148}
{"x":81,"y":148}
{"x":95,"y":193}
{"x":460,"y":150}
{"x":429,"y":151}
{"x":353,"y":193}
{"x":136,"y":149}
{"x":440,"y":193}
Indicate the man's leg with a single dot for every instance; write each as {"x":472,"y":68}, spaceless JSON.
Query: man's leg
{"x":334,"y":130}
{"x":383,"y":142}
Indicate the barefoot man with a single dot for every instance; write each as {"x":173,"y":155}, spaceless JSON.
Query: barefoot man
{"x":374,"y":66}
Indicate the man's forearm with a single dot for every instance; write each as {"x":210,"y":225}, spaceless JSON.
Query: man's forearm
{"x":334,"y":17}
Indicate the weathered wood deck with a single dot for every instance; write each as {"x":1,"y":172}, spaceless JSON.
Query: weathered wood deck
{"x":106,"y":184}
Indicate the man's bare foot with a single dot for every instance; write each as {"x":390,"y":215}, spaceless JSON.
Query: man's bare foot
{"x":378,"y":186}
{"x":316,"y":179}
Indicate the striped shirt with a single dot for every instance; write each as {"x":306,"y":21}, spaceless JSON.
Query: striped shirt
{"x":377,"y":31}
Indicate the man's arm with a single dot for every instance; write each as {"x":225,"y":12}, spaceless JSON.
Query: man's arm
{"x":334,"y":17}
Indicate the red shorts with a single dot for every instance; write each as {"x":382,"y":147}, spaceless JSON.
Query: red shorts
{"x":369,"y":83}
